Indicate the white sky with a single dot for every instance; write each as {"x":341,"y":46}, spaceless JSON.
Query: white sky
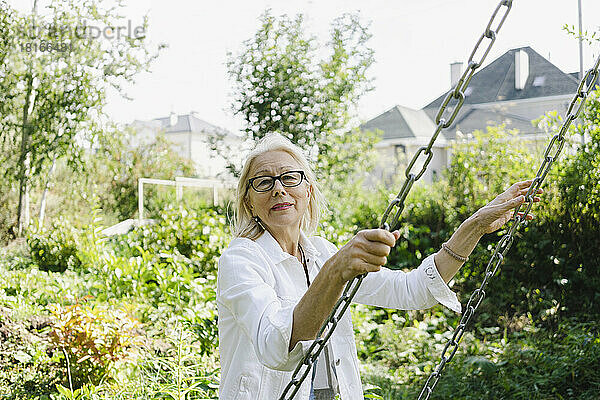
{"x":414,"y":44}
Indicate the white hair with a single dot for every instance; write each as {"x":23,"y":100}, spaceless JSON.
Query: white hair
{"x":244,"y":224}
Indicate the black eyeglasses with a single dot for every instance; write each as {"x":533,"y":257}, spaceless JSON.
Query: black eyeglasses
{"x":266,"y":183}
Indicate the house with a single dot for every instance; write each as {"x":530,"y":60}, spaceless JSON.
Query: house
{"x":191,"y":138}
{"x":518,"y":87}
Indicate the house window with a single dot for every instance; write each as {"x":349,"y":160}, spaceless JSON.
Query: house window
{"x":399,"y":154}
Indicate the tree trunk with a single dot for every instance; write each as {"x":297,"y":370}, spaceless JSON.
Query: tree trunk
{"x":45,"y":193}
{"x":23,"y":176}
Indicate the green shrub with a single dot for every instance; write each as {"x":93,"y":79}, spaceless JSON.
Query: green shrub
{"x":546,"y":365}
{"x":55,"y":249}
{"x":200,"y":236}
{"x":173,"y":368}
{"x":91,"y":338}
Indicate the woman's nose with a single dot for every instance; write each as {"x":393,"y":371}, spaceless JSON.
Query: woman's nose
{"x":278,"y":188}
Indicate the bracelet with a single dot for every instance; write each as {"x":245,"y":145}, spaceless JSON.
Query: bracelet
{"x":453,"y":254}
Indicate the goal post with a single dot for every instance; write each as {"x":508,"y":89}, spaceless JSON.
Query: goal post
{"x":179,"y":183}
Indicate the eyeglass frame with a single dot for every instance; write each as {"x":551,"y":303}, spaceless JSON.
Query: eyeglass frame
{"x":276,"y":178}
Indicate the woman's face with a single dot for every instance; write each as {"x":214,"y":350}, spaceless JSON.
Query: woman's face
{"x":281,"y":207}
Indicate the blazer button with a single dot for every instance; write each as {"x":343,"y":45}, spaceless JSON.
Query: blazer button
{"x":337,"y":362}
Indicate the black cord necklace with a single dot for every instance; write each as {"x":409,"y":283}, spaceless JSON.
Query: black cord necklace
{"x":303,"y":257}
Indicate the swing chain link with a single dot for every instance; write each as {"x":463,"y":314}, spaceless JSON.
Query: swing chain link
{"x":457,"y":93}
{"x":556,"y":144}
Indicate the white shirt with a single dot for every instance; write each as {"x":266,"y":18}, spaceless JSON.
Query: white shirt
{"x":258,"y":286}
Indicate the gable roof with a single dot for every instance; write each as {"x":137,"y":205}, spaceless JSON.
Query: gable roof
{"x":474,"y":118}
{"x":496,"y":82}
{"x":188,"y":123}
{"x":401,"y":122}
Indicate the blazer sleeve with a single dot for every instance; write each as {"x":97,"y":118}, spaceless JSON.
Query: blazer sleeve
{"x":418,"y":289}
{"x":243,"y":288}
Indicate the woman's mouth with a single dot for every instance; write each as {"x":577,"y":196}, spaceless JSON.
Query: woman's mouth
{"x":281,"y":206}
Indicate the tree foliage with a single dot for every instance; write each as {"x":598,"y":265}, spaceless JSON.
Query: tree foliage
{"x":287,"y":82}
{"x":485,"y":164}
{"x":54,"y":81}
{"x":121,"y":159}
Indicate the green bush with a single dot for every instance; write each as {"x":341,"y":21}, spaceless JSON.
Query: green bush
{"x":546,"y":365}
{"x":164,"y":274}
{"x":91,"y":339}
{"x":199,"y":236}
{"x":54,"y":249}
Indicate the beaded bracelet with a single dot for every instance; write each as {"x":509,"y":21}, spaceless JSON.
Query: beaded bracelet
{"x":453,"y":254}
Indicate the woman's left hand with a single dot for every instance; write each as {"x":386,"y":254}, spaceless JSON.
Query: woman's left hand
{"x":499,"y":211}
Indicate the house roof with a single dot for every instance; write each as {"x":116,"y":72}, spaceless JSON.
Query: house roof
{"x":473,"y":118}
{"x":496,"y":82}
{"x":486,"y":100}
{"x":189,"y":123}
{"x":401,"y":122}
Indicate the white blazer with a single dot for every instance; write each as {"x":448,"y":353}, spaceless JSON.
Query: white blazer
{"x":258,"y":286}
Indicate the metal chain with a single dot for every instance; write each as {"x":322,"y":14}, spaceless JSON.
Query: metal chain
{"x":550,"y":155}
{"x":457,"y":93}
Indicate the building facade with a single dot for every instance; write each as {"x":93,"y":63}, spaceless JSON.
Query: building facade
{"x":516,"y":89}
{"x":191,"y":139}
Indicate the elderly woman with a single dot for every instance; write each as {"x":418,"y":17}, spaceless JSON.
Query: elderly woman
{"x":276,"y":285}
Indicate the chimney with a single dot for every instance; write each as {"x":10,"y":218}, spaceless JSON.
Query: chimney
{"x":172,"y":119}
{"x":455,"y":72}
{"x":521,"y":69}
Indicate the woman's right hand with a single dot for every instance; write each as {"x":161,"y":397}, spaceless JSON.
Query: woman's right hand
{"x":367,"y":251}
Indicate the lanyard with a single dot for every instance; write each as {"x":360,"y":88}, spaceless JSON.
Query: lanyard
{"x":304,"y":264}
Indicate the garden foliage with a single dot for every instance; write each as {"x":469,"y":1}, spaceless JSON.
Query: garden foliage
{"x":532,"y":338}
{"x":91,"y":338}
{"x":142,"y":286}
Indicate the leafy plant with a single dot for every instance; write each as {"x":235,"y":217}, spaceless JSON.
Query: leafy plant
{"x":92,"y":338}
{"x":55,"y":249}
{"x":184,"y":371}
{"x":200,"y":236}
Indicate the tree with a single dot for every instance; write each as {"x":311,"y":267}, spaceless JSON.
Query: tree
{"x":485,"y":164}
{"x":55,"y":79}
{"x":6,"y":43}
{"x":123,"y":159}
{"x":283,"y":85}
{"x":577,"y":229}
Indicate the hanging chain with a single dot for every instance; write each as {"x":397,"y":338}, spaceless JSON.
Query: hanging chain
{"x":457,"y":94}
{"x":550,"y":155}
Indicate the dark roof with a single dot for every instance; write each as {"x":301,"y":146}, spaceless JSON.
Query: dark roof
{"x":391,"y":123}
{"x":496,"y":82}
{"x":188,"y":123}
{"x":401,"y":122}
{"x":472,"y":118}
